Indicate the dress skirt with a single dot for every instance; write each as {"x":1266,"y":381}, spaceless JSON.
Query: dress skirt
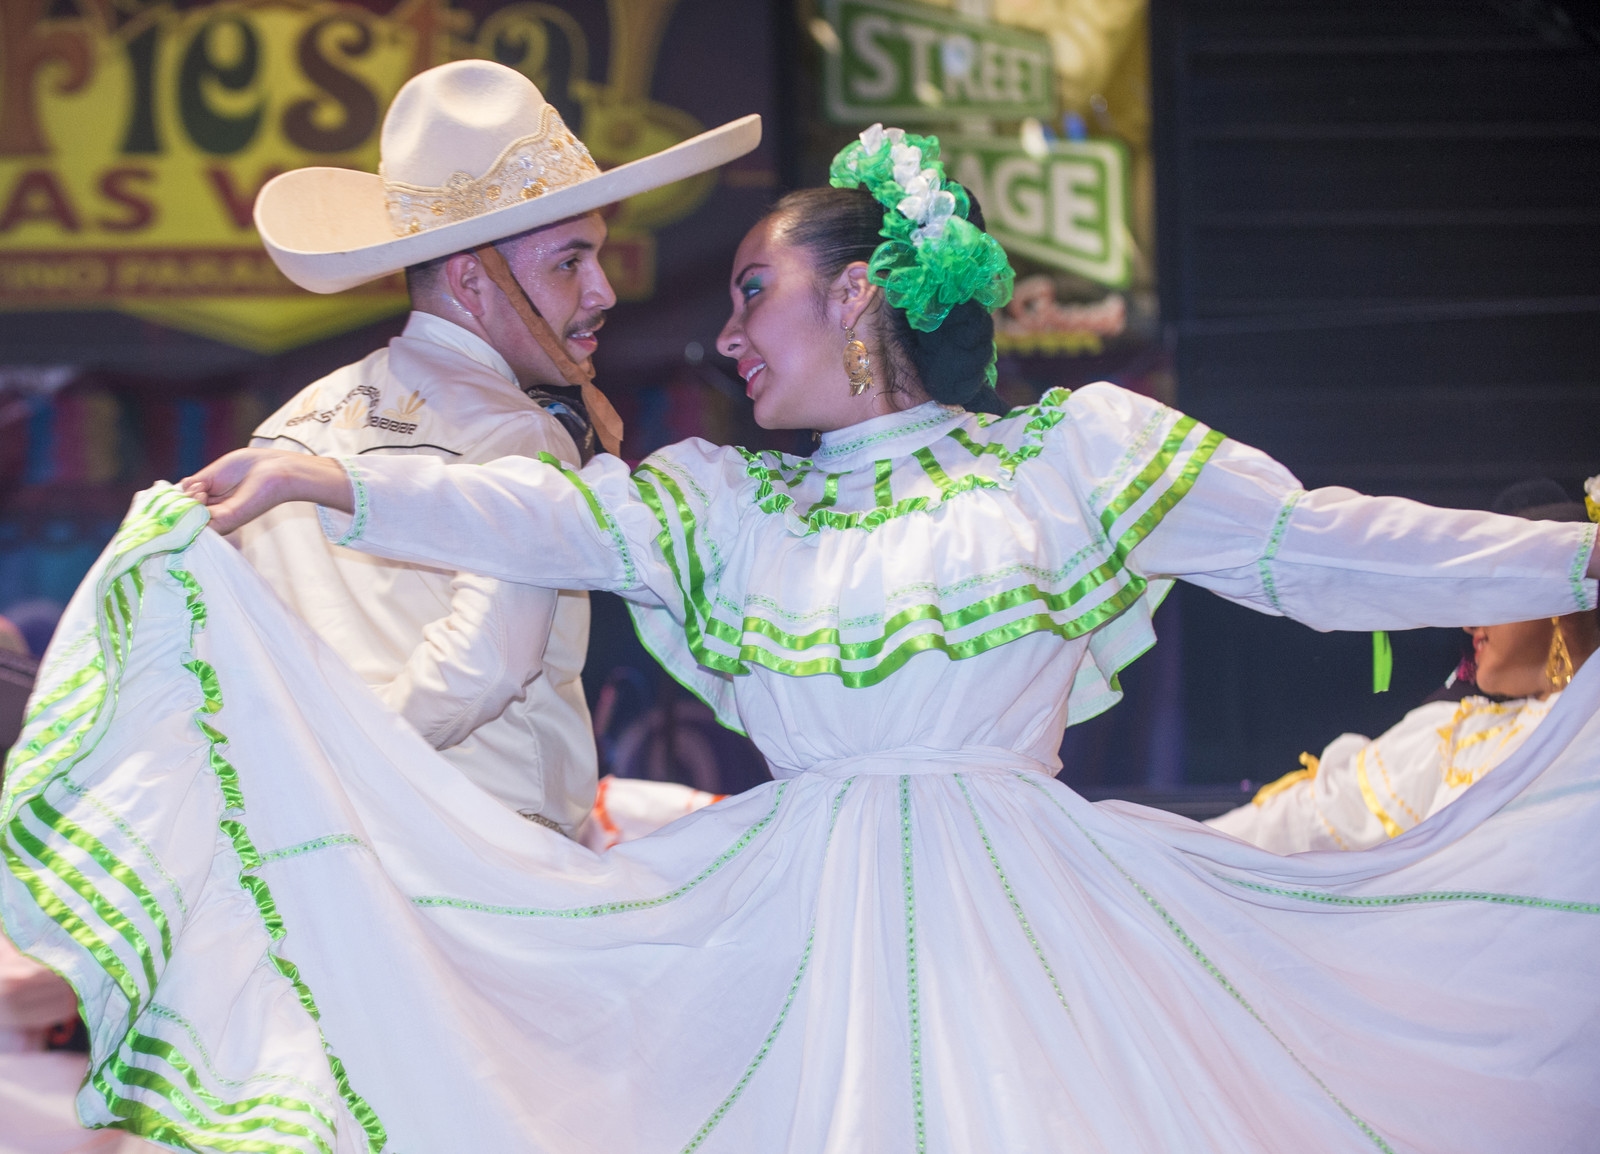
{"x":293,"y":927}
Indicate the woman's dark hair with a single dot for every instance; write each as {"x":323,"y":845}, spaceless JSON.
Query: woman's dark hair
{"x":839,"y":226}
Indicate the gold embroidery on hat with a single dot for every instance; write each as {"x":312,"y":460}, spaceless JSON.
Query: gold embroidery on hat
{"x":544,"y":161}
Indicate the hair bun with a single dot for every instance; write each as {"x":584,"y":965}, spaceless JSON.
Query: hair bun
{"x":954,"y":358}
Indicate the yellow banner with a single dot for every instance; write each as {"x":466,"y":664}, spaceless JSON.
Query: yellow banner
{"x":134,"y":138}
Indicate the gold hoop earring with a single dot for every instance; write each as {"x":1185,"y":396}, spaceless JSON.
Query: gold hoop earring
{"x":1558,"y":666}
{"x":857,"y":363}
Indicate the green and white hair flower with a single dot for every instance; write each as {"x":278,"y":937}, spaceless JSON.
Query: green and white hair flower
{"x":932,"y":257}
{"x":1591,"y":497}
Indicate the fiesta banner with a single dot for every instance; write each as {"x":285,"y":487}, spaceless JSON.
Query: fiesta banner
{"x":135,"y":136}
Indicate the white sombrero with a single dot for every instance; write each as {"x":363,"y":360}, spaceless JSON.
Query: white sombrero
{"x":471,"y":153}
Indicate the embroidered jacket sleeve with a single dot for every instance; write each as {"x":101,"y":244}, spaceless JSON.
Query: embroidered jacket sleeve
{"x":538,"y":521}
{"x":1238,"y":523}
{"x":479,"y":657}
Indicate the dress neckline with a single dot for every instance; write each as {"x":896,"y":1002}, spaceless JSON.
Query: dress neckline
{"x":891,"y":435}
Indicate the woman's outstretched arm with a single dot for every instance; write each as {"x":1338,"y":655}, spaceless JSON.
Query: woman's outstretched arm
{"x":1332,"y":558}
{"x":245,"y":483}
{"x":533,"y":521}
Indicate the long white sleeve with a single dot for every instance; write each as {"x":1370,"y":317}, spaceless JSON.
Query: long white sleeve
{"x":1330,"y":558}
{"x":1334,"y":559}
{"x":480,"y":656}
{"x":532,"y":521}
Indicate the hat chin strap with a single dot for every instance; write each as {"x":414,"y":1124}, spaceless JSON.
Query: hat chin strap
{"x":607,"y":425}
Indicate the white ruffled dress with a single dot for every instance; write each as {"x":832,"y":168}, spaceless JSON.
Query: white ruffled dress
{"x":294,"y":927}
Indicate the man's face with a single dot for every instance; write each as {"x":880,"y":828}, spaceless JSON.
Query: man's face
{"x":559,"y":268}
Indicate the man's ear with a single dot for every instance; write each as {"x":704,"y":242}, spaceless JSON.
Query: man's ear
{"x":854,"y":292}
{"x":466,"y":281}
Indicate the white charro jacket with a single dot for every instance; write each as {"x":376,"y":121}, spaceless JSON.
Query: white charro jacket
{"x":487,"y":671}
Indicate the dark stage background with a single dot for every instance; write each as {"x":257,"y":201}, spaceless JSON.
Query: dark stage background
{"x":1379,"y":228}
{"x":1376,"y":255}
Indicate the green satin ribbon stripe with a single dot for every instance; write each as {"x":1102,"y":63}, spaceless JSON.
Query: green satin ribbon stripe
{"x":882,"y":484}
{"x":771,"y":469}
{"x":124,"y":926}
{"x":73,"y":731}
{"x":696,"y":609}
{"x":39,"y":888}
{"x":602,"y":518}
{"x":111,"y":913}
{"x":1382,"y":662}
{"x":250,"y":860}
{"x":1158,"y":465}
{"x":1096,"y":597}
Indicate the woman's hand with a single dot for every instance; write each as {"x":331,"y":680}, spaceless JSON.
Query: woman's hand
{"x":245,"y":483}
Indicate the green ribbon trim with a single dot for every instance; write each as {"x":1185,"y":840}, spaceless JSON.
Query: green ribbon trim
{"x":1016,"y":905}
{"x":1422,"y":898}
{"x":696,"y":609}
{"x":913,"y":994}
{"x":358,"y":500}
{"x":770,"y":469}
{"x":771,"y":1039}
{"x":315,"y":844}
{"x":1580,"y":563}
{"x":67,"y":830}
{"x":602,"y":518}
{"x":75,"y":927}
{"x":250,"y":860}
{"x":71,"y":736}
{"x":666,"y":501}
{"x":882,"y":484}
{"x":142,"y":1077}
{"x":605,"y":909}
{"x":1382,"y":662}
{"x":1210,"y":967}
{"x":70,"y":685}
{"x":143,"y":1120}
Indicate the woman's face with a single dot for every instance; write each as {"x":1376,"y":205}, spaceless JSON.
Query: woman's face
{"x":1511,"y":658}
{"x":789,"y":345}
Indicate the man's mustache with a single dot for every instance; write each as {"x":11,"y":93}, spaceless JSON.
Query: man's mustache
{"x":590,"y":324}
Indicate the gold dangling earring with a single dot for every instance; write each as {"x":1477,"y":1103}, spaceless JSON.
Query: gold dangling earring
{"x":1558,"y":666}
{"x":857,"y":363}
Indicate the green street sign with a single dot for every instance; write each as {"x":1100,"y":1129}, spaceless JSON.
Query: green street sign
{"x":1067,"y":208}
{"x":905,"y":63}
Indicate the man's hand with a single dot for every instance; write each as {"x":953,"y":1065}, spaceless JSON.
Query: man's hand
{"x":245,"y":483}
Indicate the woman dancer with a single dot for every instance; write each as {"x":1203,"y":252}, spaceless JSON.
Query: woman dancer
{"x":1360,"y":792}
{"x":292,"y":925}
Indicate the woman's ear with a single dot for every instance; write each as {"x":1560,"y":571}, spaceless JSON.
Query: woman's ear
{"x":854,"y":293}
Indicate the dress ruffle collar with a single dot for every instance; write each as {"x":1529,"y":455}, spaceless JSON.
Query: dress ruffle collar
{"x":892,"y":435}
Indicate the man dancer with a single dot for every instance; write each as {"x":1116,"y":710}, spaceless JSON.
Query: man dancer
{"x":490,"y":205}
